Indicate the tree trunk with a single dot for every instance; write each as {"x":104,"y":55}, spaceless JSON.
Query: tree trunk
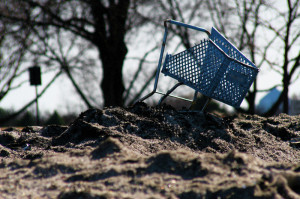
{"x":112,"y":84}
{"x":109,"y":36}
{"x":286,"y":96}
{"x":251,"y":99}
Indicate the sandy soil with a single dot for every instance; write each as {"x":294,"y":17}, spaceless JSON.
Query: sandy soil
{"x":144,"y":152}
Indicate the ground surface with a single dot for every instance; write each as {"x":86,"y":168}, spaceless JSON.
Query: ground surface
{"x":143,"y":152}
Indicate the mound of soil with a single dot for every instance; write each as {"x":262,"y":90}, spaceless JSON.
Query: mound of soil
{"x":146,"y":152}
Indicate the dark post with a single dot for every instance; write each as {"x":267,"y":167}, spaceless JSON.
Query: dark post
{"x":35,"y":80}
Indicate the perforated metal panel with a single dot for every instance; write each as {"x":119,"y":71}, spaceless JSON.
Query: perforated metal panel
{"x":228,"y":48}
{"x":215,"y":68}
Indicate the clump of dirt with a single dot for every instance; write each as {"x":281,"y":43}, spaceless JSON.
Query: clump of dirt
{"x":153,"y":152}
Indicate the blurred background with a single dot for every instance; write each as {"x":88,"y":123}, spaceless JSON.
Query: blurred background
{"x":100,"y":53}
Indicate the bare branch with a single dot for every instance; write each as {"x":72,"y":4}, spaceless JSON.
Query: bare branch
{"x":138,"y":71}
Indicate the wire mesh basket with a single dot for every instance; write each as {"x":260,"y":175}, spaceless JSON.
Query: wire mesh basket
{"x":215,"y":68}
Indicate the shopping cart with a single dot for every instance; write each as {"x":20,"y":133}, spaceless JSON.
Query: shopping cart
{"x":214,"y":67}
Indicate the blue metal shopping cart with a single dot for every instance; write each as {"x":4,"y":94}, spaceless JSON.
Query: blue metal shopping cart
{"x":214,"y":67}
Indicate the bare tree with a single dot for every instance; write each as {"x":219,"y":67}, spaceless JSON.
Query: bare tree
{"x":67,"y":55}
{"x":287,"y":41}
{"x":14,"y":42}
{"x":22,"y":45}
{"x":10,"y":67}
{"x":102,"y":23}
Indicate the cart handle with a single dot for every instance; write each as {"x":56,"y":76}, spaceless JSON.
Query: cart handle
{"x":187,"y":26}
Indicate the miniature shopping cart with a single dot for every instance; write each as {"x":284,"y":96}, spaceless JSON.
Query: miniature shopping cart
{"x":214,"y":67}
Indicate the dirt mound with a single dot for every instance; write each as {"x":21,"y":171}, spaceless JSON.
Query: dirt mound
{"x":144,"y":152}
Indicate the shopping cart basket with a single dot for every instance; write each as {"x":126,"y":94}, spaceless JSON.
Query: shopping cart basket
{"x":214,"y":67}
